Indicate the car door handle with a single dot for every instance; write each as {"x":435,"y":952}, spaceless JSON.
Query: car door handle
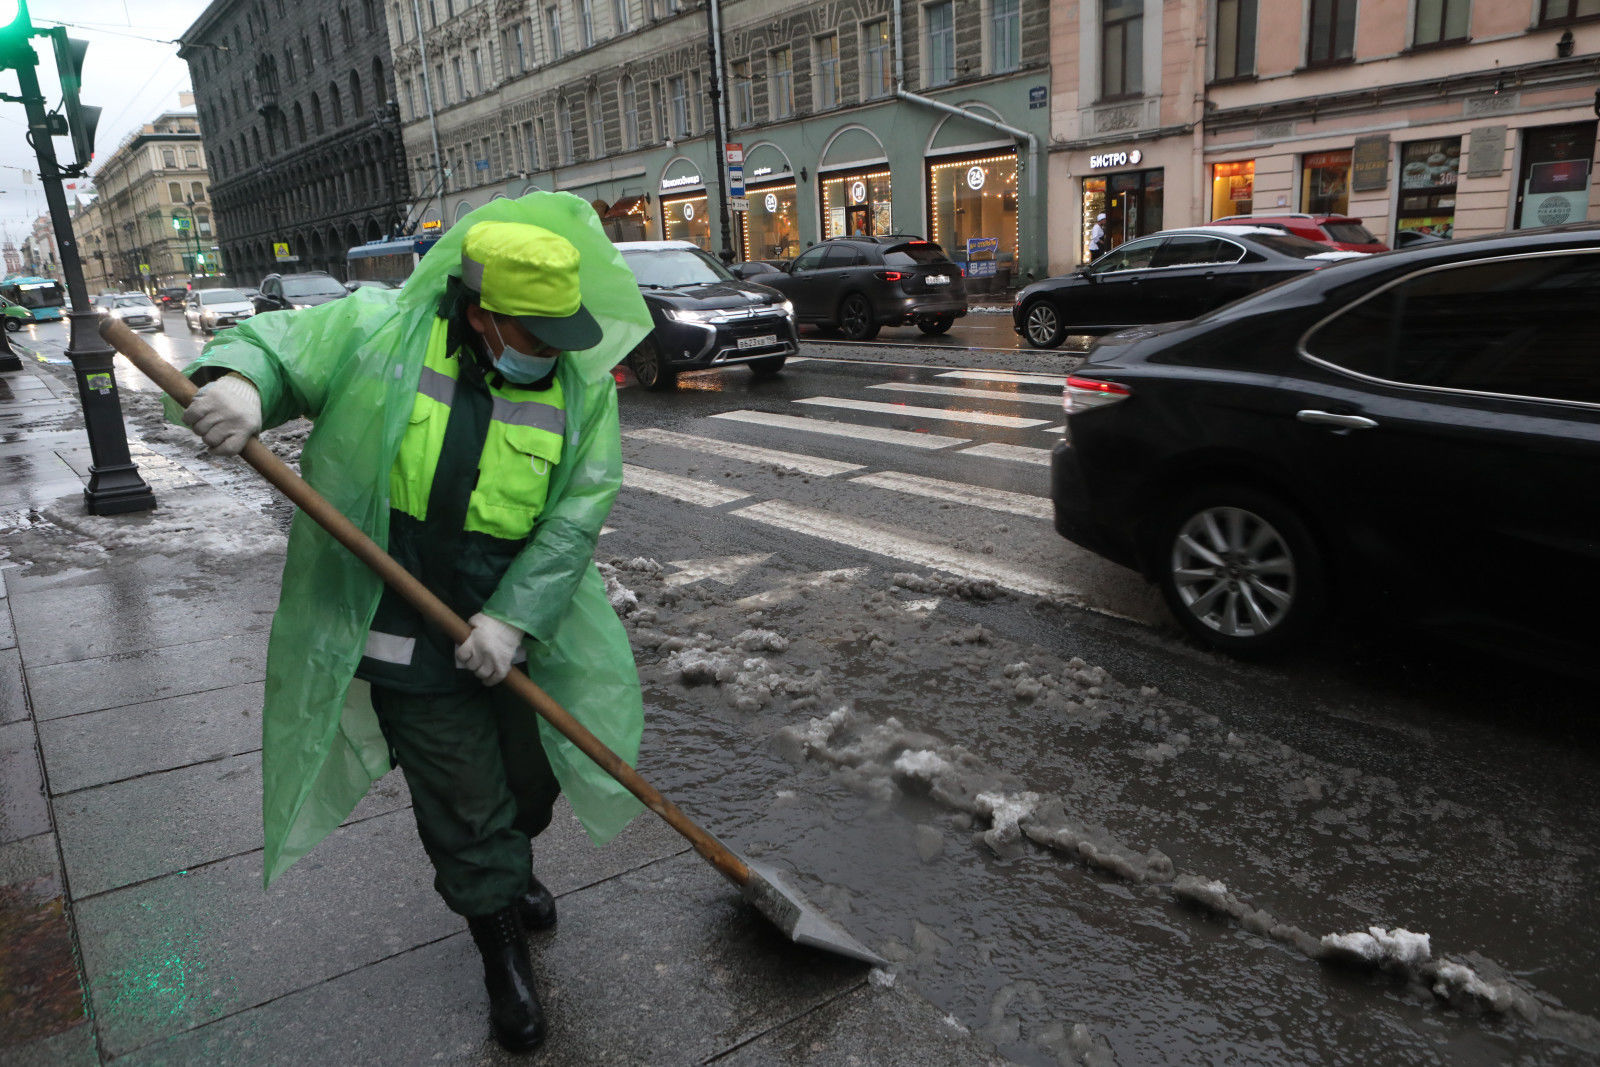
{"x":1338,"y":422}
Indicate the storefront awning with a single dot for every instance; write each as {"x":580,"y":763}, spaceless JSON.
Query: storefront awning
{"x":628,"y":205}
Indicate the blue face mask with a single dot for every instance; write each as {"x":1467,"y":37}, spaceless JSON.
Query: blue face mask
{"x":516,"y":367}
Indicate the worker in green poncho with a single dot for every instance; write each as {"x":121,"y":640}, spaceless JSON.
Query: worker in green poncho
{"x":469,"y":424}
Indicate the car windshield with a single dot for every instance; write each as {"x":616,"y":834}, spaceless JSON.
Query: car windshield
{"x":312,"y":287}
{"x":912,"y":254}
{"x":1350,"y":233}
{"x":138,"y":300}
{"x":668,"y":268}
{"x":222,"y":296}
{"x":1289,"y":245}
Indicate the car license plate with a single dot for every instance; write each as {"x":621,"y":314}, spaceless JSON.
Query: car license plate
{"x":758,"y":342}
{"x":938,"y":279}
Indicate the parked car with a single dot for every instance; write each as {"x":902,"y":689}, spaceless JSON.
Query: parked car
{"x":136,"y":310}
{"x":171,"y":296}
{"x":756,"y":270}
{"x":861,"y":284}
{"x":1336,"y":231}
{"x":369,"y":283}
{"x":1415,"y":434}
{"x":704,"y":315}
{"x":281,"y":292}
{"x":1407,"y":238}
{"x":1166,"y":277}
{"x":16,"y":316}
{"x":209,"y":310}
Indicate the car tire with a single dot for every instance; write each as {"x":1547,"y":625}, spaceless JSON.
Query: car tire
{"x":934,"y":325}
{"x":766,"y":368}
{"x":650,"y":367}
{"x":1240,"y":571}
{"x":1041,"y":324}
{"x":855,"y":319}
{"x":13,"y":325}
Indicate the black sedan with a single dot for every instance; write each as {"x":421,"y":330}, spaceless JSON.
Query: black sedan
{"x":1416,"y":434}
{"x":704,"y":315}
{"x":1166,"y":277}
{"x":858,"y":285}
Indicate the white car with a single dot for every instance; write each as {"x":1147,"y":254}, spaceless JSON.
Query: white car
{"x":137,"y":310}
{"x":209,"y":310}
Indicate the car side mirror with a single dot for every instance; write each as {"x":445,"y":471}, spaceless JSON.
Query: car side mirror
{"x":740,"y":270}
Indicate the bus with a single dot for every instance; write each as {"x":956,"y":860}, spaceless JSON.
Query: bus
{"x":43,"y":297}
{"x":391,"y":260}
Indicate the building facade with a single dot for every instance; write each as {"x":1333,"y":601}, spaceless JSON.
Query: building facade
{"x":1451,"y":117}
{"x":296,"y":100}
{"x":611,"y":100}
{"x":151,"y":225}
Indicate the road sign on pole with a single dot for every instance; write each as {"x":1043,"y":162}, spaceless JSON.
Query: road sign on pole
{"x":739,"y":203}
{"x":736,"y":180}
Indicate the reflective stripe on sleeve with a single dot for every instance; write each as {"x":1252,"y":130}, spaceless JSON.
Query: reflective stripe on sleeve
{"x":390,"y":648}
{"x":529,"y":413}
{"x":437,"y":386}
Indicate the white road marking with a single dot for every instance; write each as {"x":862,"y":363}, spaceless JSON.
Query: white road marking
{"x":1055,"y":429}
{"x":978,"y":418}
{"x":822,"y":468}
{"x":1005,"y":376}
{"x":1034,"y":507}
{"x":723,"y":569}
{"x":898,"y":545}
{"x":842,"y":429}
{"x":791,"y":588}
{"x":1015,"y":453}
{"x":976,"y":394}
{"x":688,"y":490}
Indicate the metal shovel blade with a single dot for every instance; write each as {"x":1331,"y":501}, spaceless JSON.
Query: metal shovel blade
{"x":789,"y":910}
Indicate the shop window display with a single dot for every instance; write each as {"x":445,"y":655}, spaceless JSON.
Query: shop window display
{"x":975,"y":208}
{"x":1428,"y":172}
{"x":1325,"y":183}
{"x":686,"y":218}
{"x":1233,"y":188}
{"x":771,"y":231}
{"x":857,"y":204}
{"x":1133,"y":203}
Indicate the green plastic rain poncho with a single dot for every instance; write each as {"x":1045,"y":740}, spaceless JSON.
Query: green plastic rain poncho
{"x":352,"y":367}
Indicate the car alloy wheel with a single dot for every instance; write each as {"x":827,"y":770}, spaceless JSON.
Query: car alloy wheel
{"x":13,"y":324}
{"x":650,"y":367}
{"x":1042,"y":324}
{"x":1241,"y":572}
{"x":855,"y":319}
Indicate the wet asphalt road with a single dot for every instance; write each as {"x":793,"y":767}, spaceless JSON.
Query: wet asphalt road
{"x":1382,"y":779}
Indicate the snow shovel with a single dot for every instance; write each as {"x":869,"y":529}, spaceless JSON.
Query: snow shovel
{"x":765,"y":888}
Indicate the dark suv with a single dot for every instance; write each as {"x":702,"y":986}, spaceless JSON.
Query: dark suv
{"x":861,"y":284}
{"x":704,"y":316}
{"x":281,"y":292}
{"x":1415,"y":434}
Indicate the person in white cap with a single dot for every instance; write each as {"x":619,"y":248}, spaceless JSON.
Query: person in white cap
{"x":1097,"y":237}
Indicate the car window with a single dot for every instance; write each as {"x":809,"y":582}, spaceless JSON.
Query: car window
{"x":1523,"y":326}
{"x":1290,"y":245}
{"x":134,"y":301}
{"x":811,"y":259}
{"x":1191,"y":250}
{"x":911,"y":255}
{"x":1350,"y":233}
{"x":1135,"y":255}
{"x":843,"y":256}
{"x":670,"y":267}
{"x":220,"y":296}
{"x":312,"y":286}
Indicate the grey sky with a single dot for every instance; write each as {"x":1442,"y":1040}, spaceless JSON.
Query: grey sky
{"x":131,"y":70}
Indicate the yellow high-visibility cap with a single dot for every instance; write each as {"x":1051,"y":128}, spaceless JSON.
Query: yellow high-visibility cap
{"x":530,"y":274}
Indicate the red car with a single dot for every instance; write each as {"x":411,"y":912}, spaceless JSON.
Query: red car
{"x":1335,"y":231}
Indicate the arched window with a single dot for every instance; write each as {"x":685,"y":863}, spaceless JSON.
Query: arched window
{"x":335,"y":105}
{"x":316,"y":114}
{"x":288,"y":63}
{"x":630,"y":113}
{"x":597,"y":124}
{"x":345,"y":27}
{"x":256,"y":136}
{"x":379,"y":92}
{"x":299,"y":122}
{"x":564,"y":129}
{"x":357,"y":109}
{"x":305,"y":50}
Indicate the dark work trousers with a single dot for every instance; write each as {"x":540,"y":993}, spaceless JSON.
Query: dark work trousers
{"x":481,"y":788}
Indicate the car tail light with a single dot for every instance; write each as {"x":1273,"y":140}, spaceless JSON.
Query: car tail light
{"x":890,"y":275}
{"x":1086,"y":394}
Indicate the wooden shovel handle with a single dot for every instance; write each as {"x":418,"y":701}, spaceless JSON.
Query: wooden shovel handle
{"x":274,"y":470}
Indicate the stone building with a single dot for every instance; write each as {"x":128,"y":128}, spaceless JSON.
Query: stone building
{"x":1450,"y":117}
{"x":151,"y":225}
{"x":610,"y":99}
{"x":296,"y":101}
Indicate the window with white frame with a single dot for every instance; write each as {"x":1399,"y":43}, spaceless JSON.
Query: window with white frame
{"x":1446,"y":20}
{"x":630,"y":113}
{"x":876,"y":71}
{"x":780,"y":81}
{"x":623,"y":16}
{"x":939,"y":20}
{"x":530,"y":140}
{"x":678,"y":105}
{"x":825,"y":49}
{"x":1005,"y":35}
{"x":461,"y":81}
{"x":586,"y":22}
{"x":552,"y":29}
{"x":1121,"y":48}
{"x":1332,"y":32}
{"x":741,"y":92}
{"x":477,"y":71}
{"x":597,"y":124}
{"x":1236,"y":39}
{"x":519,"y":48}
{"x":564,"y":129}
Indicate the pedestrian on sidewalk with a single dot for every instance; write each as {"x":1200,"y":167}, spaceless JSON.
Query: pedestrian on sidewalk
{"x":468,"y":423}
{"x":1097,"y":237}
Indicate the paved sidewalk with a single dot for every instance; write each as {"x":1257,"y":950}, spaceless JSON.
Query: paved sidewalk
{"x":133,"y":925}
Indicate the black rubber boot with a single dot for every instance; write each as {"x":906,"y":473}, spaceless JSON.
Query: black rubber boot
{"x":538,"y":907}
{"x":514,"y":1011}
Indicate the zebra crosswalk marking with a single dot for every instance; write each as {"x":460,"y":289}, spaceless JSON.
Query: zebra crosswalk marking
{"x":906,"y":438}
{"x":704,"y":494}
{"x":821,"y":468}
{"x":1014,"y":453}
{"x":979,"y":418}
{"x":1034,"y":507}
{"x":976,"y":394}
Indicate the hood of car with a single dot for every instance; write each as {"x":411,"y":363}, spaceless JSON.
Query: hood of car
{"x":232,"y":307}
{"x":134,"y":311}
{"x":715,"y":296}
{"x":311,"y":300}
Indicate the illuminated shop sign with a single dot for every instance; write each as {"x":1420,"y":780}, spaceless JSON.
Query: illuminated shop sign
{"x":1116,"y":159}
{"x":679,"y":183}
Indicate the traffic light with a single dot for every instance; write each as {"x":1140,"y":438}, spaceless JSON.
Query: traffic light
{"x":81,"y":119}
{"x":15,"y":48}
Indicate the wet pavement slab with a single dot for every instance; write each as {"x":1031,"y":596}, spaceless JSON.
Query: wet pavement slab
{"x":41,"y":996}
{"x":152,"y":674}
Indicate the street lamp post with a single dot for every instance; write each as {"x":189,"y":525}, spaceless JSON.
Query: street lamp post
{"x":194,"y":232}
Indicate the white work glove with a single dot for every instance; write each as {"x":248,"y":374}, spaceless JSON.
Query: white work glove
{"x":225,"y":413}
{"x":489,"y":649}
